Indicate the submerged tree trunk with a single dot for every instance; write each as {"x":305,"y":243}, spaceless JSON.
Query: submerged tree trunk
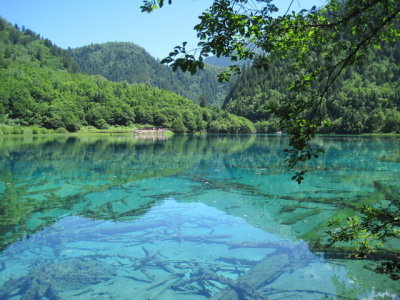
{"x":246,"y":286}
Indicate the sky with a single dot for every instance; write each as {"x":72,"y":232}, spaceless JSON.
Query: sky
{"x":76,"y":23}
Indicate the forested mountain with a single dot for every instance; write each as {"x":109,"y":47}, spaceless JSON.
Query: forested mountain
{"x":218,"y":61}
{"x":129,"y":62}
{"x":22,"y":44}
{"x":40,"y":85}
{"x":364,"y":99}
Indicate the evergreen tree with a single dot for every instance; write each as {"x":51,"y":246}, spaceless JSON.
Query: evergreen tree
{"x":202,"y":100}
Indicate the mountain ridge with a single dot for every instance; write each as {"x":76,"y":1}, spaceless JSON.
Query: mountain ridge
{"x":40,"y":85}
{"x":126,"y":61}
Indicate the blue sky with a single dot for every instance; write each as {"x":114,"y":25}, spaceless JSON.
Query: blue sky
{"x":74,"y":23}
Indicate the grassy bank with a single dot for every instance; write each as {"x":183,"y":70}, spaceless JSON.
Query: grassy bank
{"x":6,"y":129}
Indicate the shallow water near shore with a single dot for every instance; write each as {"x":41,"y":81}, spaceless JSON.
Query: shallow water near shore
{"x":212,"y":217}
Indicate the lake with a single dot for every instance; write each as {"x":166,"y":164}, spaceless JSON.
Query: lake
{"x":217,"y":217}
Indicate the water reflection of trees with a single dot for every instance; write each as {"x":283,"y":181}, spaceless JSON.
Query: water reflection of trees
{"x":355,"y":172}
{"x":44,"y":178}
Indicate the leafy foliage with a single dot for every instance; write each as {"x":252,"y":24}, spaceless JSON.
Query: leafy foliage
{"x":372,"y":228}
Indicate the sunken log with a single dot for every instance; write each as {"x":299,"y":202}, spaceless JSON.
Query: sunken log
{"x":338,"y":253}
{"x":262,"y":274}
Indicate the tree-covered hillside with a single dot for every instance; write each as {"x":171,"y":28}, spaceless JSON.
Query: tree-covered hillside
{"x":218,"y":61}
{"x":24,"y":45}
{"x":39,"y":85}
{"x":129,"y":62}
{"x":364,"y":99}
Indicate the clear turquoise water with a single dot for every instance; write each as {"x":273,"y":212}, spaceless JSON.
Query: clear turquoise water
{"x":184,"y":218}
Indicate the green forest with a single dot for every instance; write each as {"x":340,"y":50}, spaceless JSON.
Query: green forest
{"x":42,"y":86}
{"x":129,"y":62}
{"x":120,"y":84}
{"x":364,"y":99}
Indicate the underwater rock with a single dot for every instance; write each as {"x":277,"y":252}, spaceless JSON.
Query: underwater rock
{"x":47,"y":281}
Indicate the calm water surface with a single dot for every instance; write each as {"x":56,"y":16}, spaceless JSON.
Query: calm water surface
{"x":185,"y":218}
